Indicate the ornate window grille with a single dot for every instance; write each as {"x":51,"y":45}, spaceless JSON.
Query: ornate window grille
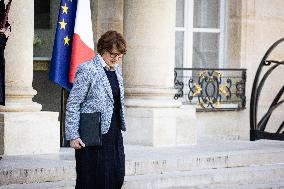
{"x":211,"y":89}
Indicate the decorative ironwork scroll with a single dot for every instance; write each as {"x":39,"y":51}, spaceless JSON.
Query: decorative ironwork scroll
{"x":211,"y":89}
{"x":257,"y":128}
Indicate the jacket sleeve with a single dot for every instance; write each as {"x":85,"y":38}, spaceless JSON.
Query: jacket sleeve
{"x":75,"y":99}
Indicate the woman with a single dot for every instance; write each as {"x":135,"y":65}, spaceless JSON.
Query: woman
{"x":98,"y":87}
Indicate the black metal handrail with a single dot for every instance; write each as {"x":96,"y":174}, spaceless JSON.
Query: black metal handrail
{"x":257,"y":129}
{"x":211,"y":89}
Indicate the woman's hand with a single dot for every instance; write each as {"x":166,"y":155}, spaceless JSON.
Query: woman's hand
{"x":77,"y":143}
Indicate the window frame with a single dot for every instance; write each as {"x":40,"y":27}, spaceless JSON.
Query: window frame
{"x":188,"y":31}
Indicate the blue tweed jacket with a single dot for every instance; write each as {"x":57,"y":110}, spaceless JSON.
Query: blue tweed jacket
{"x":92,"y":92}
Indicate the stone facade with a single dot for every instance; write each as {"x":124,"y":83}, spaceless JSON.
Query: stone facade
{"x":25,"y":129}
{"x":252,"y":27}
{"x":154,"y":118}
{"x":148,"y":71}
{"x":262,"y":25}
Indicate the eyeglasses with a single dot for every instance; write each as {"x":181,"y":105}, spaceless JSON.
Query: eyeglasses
{"x":114,"y":55}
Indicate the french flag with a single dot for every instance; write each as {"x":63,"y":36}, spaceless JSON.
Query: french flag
{"x":83,"y":43}
{"x":73,"y":43}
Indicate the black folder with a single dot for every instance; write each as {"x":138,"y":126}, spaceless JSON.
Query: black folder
{"x":90,"y":128}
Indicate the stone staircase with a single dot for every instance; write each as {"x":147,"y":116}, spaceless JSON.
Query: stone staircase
{"x":215,"y":164}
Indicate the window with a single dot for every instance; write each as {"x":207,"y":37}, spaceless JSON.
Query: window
{"x":200,"y":33}
{"x":42,"y":14}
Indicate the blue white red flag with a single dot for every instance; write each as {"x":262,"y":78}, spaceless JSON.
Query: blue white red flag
{"x":73,"y":42}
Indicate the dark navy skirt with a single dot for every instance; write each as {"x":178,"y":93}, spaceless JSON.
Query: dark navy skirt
{"x":102,"y":167}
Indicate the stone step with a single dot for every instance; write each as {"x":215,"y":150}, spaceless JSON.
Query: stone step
{"x":206,"y":155}
{"x":36,"y":170}
{"x":272,"y":185}
{"x":223,"y":176}
{"x":45,"y":185}
{"x":71,"y":185}
{"x":42,"y":170}
{"x":202,"y":161}
{"x":145,"y":160}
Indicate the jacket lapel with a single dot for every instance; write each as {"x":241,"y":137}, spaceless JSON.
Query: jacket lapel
{"x":104,"y":78}
{"x":120,"y":82}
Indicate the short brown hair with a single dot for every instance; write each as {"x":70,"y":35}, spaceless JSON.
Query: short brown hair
{"x":109,"y":39}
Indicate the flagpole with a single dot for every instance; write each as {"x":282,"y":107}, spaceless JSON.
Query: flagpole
{"x":64,"y":95}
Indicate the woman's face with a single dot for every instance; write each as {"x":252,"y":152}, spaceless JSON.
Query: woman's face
{"x":112,"y":58}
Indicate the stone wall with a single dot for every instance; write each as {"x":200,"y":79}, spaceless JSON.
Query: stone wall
{"x":253,"y":26}
{"x":262,"y":25}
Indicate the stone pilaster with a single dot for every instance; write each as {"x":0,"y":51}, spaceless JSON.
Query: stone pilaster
{"x":106,"y":15}
{"x":19,"y":59}
{"x":149,"y":63}
{"x":148,"y":67}
{"x":24,"y":129}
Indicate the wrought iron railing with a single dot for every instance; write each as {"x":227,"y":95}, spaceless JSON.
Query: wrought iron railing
{"x":211,"y":89}
{"x":258,"y":126}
